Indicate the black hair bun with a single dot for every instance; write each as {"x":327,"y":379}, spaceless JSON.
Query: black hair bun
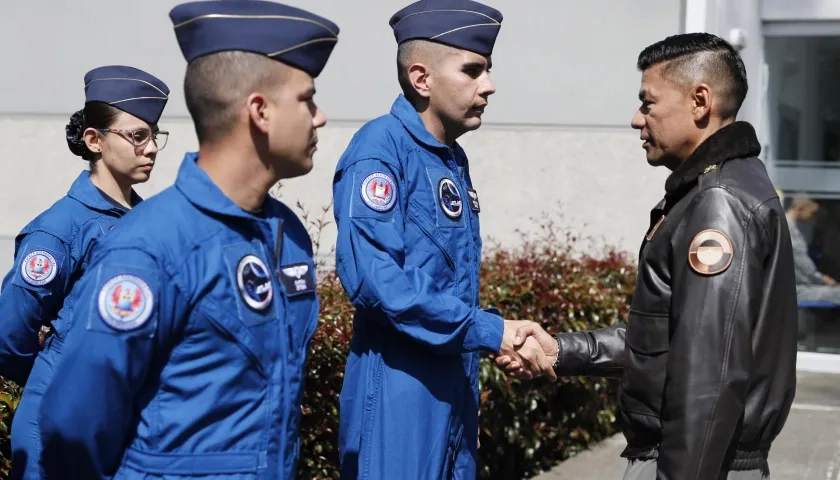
{"x":74,"y":132}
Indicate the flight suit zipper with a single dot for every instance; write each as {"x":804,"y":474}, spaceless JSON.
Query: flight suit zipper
{"x":473,"y":290}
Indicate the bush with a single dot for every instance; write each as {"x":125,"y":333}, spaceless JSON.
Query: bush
{"x":526,"y":426}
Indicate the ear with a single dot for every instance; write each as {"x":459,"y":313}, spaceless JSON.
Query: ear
{"x":701,"y":98}
{"x":92,"y":140}
{"x":418,"y":75}
{"x":258,"y":111}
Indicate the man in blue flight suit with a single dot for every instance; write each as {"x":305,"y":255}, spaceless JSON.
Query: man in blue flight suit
{"x":408,"y":256}
{"x":187,"y":358}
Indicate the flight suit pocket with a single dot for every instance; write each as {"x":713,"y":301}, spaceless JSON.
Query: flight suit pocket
{"x":243,"y":337}
{"x":418,"y":216}
{"x":252,"y":284}
{"x":452,"y":454}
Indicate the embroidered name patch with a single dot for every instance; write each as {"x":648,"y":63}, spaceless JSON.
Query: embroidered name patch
{"x":472,"y":196}
{"x":254,"y":282}
{"x":297,"y":279}
{"x":450,"y":198}
{"x":379,"y":191}
{"x":38,"y":268}
{"x":710,"y":252}
{"x":125,"y":302}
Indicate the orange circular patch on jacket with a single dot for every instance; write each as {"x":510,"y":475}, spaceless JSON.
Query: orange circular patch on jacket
{"x":710,"y":252}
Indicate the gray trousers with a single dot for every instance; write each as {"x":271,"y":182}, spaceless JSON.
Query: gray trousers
{"x":646,"y":470}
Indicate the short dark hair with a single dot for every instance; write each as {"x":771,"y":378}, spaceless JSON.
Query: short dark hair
{"x":215,"y":86}
{"x":693,"y":57}
{"x":96,"y":115}
{"x":413,"y":51}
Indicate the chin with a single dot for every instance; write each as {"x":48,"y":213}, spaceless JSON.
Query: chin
{"x":299,"y":169}
{"x":141,"y":177}
{"x":471,"y":124}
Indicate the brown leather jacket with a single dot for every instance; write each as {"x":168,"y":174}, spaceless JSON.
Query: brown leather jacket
{"x":707,"y":360}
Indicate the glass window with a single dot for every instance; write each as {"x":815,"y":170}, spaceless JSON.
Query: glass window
{"x":815,"y":234}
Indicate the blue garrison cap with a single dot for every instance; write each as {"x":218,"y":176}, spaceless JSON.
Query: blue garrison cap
{"x":290,"y":35}
{"x":461,"y":24}
{"x":130,"y":89}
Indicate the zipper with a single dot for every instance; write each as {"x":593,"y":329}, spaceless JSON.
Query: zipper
{"x":468,"y":221}
{"x":278,"y":249}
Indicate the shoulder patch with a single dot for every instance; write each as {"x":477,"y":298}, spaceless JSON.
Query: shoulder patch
{"x":126,"y":302}
{"x":379,"y":191}
{"x":38,"y":268}
{"x":710,"y":252}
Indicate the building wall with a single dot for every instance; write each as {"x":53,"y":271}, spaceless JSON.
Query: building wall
{"x":556,"y":138}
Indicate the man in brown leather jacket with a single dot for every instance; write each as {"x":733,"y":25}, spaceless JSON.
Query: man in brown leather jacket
{"x":707,"y":359}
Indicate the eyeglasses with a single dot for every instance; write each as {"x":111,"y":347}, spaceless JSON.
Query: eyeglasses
{"x":140,"y":137}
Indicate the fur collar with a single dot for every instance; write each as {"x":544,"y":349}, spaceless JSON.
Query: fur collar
{"x":736,"y":140}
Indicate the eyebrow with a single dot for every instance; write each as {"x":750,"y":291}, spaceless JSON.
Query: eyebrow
{"x":478,"y":65}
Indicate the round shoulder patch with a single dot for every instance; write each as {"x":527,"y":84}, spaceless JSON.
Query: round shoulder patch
{"x":254,"y":282}
{"x":710,"y":252}
{"x":38,"y":268}
{"x":125,"y":302}
{"x":379,"y":191}
{"x":450,"y":198}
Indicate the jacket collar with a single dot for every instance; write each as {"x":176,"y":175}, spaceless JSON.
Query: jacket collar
{"x":200,"y":190}
{"x":85,"y":192}
{"x":736,"y":140}
{"x":408,"y":116}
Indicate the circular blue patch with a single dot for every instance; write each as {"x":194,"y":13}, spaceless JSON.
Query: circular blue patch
{"x":125,"y":302}
{"x":450,"y":198}
{"x":254,"y":282}
{"x":379,"y":191}
{"x":38,"y":268}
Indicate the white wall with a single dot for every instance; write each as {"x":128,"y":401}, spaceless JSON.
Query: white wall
{"x":556,"y":131}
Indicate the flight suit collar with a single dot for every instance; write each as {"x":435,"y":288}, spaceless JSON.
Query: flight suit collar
{"x":83,"y":190}
{"x":736,"y":140}
{"x":200,"y":190}
{"x":408,"y":116}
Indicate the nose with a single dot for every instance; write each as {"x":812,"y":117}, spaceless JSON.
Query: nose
{"x":487,"y":87}
{"x":151,"y":148}
{"x":319,"y":120}
{"x":638,"y":121}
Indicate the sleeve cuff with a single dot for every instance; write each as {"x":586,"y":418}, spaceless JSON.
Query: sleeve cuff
{"x":486,"y":331}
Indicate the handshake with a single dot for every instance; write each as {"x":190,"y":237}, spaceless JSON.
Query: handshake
{"x":527,"y":351}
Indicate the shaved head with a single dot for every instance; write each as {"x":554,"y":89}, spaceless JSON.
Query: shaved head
{"x":217,"y":85}
{"x":428,"y":53}
{"x":691,"y":59}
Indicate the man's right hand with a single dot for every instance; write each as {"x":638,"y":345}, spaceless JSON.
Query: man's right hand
{"x":526,"y":357}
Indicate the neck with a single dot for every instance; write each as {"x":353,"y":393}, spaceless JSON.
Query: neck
{"x":238,"y":172}
{"x":712,"y":126}
{"x":118,"y":190}
{"x":438,"y":128}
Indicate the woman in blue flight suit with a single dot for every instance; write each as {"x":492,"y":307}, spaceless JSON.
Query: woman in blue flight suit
{"x":117,"y":134}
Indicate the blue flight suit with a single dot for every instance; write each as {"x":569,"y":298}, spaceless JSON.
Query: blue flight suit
{"x":50,"y":256}
{"x":408,"y":254}
{"x":188,"y":346}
